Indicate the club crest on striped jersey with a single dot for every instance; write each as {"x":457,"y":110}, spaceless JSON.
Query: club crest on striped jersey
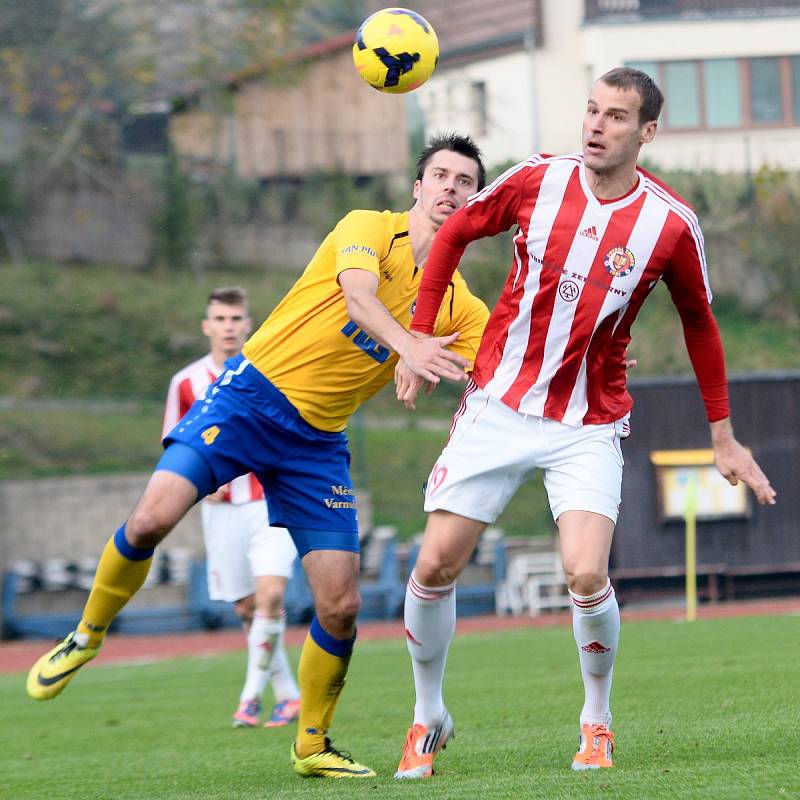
{"x":619,"y":262}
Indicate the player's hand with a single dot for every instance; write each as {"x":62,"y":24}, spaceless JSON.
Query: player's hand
{"x":407,"y":385}
{"x":428,"y":358}
{"x":630,"y":363}
{"x":735,"y":463}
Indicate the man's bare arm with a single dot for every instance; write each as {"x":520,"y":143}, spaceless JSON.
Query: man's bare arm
{"x":426,"y":357}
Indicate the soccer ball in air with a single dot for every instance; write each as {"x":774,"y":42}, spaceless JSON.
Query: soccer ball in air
{"x":396,"y":50}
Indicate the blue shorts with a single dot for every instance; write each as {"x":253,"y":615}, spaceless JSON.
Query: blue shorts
{"x":243,"y":423}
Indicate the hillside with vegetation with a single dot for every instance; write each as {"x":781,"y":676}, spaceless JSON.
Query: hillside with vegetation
{"x":89,"y":352}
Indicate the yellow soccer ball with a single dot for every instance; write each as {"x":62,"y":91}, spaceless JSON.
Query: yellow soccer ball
{"x":396,"y":50}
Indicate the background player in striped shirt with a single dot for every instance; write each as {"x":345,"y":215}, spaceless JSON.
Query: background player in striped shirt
{"x":594,"y":234}
{"x":280,"y":410}
{"x":248,"y":562}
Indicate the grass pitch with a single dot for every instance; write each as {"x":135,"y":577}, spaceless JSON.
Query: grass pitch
{"x":707,"y":710}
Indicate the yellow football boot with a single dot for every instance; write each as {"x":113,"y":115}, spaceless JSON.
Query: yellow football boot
{"x":330,"y":763}
{"x":55,"y":669}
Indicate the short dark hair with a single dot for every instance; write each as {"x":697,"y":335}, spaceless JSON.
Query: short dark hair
{"x":463,"y":145}
{"x":229,"y":295}
{"x":643,"y":84}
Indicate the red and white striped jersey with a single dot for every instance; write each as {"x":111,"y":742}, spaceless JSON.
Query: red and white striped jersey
{"x":555,"y":345}
{"x":184,"y":388}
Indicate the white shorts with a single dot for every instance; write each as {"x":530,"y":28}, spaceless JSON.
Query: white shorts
{"x":241,"y":546}
{"x":493,"y":449}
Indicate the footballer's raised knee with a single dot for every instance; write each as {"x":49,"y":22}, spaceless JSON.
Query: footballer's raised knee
{"x":435,"y":571}
{"x":585,"y":582}
{"x":146,"y":529}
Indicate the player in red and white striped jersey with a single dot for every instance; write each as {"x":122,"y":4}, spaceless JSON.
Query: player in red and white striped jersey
{"x":594,"y":234}
{"x":249,"y":562}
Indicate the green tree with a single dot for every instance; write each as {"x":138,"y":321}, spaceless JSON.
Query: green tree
{"x":64,"y":76}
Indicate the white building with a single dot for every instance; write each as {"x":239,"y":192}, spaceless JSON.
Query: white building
{"x":515,"y":74}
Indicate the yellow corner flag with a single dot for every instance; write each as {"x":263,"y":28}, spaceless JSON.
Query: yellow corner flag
{"x":690,"y":517}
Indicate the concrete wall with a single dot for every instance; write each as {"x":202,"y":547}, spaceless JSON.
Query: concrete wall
{"x":113,"y":222}
{"x":71,"y":518}
{"x":109,"y":220}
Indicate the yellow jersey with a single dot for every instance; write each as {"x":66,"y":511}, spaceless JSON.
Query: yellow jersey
{"x":317,"y":356}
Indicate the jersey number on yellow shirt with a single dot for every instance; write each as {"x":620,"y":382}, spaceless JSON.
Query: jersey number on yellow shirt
{"x":366,"y":343}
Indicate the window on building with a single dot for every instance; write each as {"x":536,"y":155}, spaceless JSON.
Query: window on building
{"x":725,"y":93}
{"x":682,"y":90}
{"x":765,"y":90}
{"x":722,"y":93}
{"x":794,"y":64}
{"x":480,"y":110}
{"x":657,"y":7}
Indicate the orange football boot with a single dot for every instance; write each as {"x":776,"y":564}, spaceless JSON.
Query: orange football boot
{"x":422,"y":744}
{"x":597,"y":745}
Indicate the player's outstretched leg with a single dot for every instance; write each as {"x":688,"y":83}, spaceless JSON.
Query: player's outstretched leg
{"x":120,"y":574}
{"x":323,"y":666}
{"x":430,"y":621}
{"x":596,"y":624}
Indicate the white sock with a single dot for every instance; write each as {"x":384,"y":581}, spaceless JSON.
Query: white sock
{"x":595,"y":623}
{"x":262,"y":641}
{"x":430,"y":621}
{"x":281,"y":676}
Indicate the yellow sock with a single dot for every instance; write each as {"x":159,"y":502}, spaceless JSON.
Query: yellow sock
{"x":323,"y":666}
{"x":120,"y":574}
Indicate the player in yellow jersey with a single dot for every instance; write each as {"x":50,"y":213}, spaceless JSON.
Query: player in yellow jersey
{"x":280,"y":409}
